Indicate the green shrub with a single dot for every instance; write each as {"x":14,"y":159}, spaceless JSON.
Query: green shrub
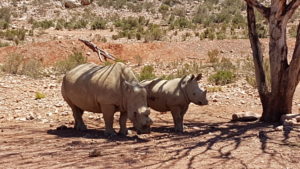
{"x":147,"y":73}
{"x":72,"y":61}
{"x":153,"y":33}
{"x":45,"y":24}
{"x":3,"y":44}
{"x":222,"y":77}
{"x":99,"y":23}
{"x":14,"y":34}
{"x":163,"y":9}
{"x":181,"y":22}
{"x":39,"y":95}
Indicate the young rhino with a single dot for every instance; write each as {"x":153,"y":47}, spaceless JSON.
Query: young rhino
{"x":107,"y":89}
{"x":175,"y":95}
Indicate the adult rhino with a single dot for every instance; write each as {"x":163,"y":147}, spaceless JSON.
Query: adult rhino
{"x":107,"y":89}
{"x":175,"y":95}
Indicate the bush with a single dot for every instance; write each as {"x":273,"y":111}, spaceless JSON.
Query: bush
{"x":13,"y":63}
{"x":72,"y":61}
{"x":163,"y":9}
{"x":213,"y":56}
{"x":16,"y":64}
{"x":3,"y":44}
{"x":32,"y":68}
{"x":14,"y":34}
{"x":99,"y":23}
{"x":5,"y":15}
{"x":154,"y":33}
{"x":222,"y":77}
{"x":46,"y":24}
{"x":147,"y":73}
{"x":181,"y":22}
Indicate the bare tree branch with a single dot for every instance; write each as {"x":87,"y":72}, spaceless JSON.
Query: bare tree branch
{"x":103,"y":56}
{"x":291,"y":8}
{"x":260,"y":8}
{"x":257,"y":54}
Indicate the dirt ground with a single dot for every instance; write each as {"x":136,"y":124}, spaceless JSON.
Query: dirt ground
{"x":39,"y":134}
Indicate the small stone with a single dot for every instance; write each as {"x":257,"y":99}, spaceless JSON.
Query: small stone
{"x":279,"y":128}
{"x":95,"y":153}
{"x":49,"y":114}
{"x":245,"y":116}
{"x":196,"y":128}
{"x":65,"y":113}
{"x":29,"y":117}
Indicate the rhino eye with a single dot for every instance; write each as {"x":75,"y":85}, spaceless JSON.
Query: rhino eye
{"x":194,"y":94}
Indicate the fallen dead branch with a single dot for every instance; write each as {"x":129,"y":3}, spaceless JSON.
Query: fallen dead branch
{"x":103,"y":56}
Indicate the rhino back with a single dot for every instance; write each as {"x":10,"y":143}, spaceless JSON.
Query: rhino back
{"x":165,"y":94}
{"x":88,"y":86}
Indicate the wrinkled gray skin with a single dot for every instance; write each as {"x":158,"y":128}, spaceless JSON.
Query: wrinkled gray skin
{"x":175,"y":95}
{"x":107,"y":89}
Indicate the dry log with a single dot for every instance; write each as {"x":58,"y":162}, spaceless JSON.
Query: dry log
{"x":245,"y":116}
{"x":103,"y":56}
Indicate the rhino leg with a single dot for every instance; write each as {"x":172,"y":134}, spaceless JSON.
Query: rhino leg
{"x":177,"y":118}
{"x":108,"y":115}
{"x":122,"y":122}
{"x":77,"y":114}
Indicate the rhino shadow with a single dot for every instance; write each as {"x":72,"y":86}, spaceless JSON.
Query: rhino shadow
{"x":70,"y":132}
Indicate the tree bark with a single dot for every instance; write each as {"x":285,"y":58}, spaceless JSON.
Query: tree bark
{"x":285,"y":77}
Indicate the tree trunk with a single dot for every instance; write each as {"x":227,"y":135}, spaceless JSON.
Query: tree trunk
{"x":277,"y":100}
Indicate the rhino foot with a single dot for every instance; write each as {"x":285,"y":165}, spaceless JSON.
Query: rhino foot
{"x":178,"y":129}
{"x":123,"y":132}
{"x":110,"y":133}
{"x":80,"y":127}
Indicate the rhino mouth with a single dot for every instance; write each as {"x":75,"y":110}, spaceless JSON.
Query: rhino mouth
{"x":144,"y":130}
{"x":202,"y":103}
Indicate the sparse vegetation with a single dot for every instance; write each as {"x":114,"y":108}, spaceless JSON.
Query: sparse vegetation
{"x":16,"y":64}
{"x":15,"y":35}
{"x":72,"y":61}
{"x":32,"y":68}
{"x":147,"y":73}
{"x":3,"y":44}
{"x":5,"y":18}
{"x":213,"y":56}
{"x":13,"y":63}
{"x":222,"y":77}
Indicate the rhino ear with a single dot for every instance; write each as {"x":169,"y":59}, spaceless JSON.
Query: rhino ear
{"x":199,"y":76}
{"x":191,"y":78}
{"x":127,"y":86}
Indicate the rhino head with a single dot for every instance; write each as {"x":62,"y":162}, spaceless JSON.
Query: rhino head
{"x":194,"y":94}
{"x":136,"y":107}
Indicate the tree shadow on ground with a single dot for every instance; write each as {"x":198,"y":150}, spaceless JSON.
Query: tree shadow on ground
{"x":226,"y":136}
